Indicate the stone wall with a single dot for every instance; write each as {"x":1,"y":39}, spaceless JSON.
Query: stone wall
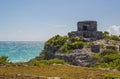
{"x":87,"y":29}
{"x":78,"y":58}
{"x":87,"y":34}
{"x":87,"y":26}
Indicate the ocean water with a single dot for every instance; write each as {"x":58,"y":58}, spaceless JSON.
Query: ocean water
{"x":20,"y":51}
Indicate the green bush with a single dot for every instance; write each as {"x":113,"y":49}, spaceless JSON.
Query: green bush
{"x":108,"y":52}
{"x":77,"y":45}
{"x":42,"y":54}
{"x":112,"y":37}
{"x":65,"y":48}
{"x":90,"y":43}
{"x":102,"y":46}
{"x":106,"y":34}
{"x":69,"y":46}
{"x":107,"y":40}
{"x":111,"y":76}
{"x":56,"y":41}
{"x":115,"y":37}
{"x":114,"y":42}
{"x":3,"y":60}
{"x":108,"y":59}
{"x":76,"y":38}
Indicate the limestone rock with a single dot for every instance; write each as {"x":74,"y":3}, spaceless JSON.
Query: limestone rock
{"x":77,"y":58}
{"x":95,"y":48}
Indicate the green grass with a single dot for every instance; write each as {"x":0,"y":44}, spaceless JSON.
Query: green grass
{"x":112,"y":76}
{"x":63,"y":71}
{"x":46,"y":62}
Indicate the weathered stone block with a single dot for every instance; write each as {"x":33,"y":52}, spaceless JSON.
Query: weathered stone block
{"x":87,"y":26}
{"x":95,"y":48}
{"x":111,"y":47}
{"x":87,"y":34}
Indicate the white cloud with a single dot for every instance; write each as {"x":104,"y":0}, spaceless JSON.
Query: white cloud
{"x":114,"y":30}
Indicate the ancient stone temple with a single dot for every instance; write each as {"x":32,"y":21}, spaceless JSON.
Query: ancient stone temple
{"x":87,"y":29}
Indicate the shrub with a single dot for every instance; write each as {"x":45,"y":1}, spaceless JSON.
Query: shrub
{"x":106,"y":34}
{"x":108,"y":59}
{"x":77,"y":45}
{"x":3,"y":60}
{"x":56,"y":41}
{"x":90,"y":43}
{"x":115,"y":37}
{"x":107,"y":41}
{"x":76,"y":38}
{"x":65,"y":48}
{"x":42,"y":54}
{"x":114,"y":42}
{"x":111,"y":76}
{"x":69,"y":46}
{"x":116,"y":63}
{"x":108,"y":52}
{"x":53,"y":45}
{"x":102,"y":46}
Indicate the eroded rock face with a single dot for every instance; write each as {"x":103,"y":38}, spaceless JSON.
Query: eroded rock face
{"x":82,"y":60}
{"x":77,"y":58}
{"x":85,"y":29}
{"x":50,"y":52}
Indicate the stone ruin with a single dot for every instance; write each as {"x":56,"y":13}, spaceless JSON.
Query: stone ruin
{"x":87,"y":29}
{"x":82,"y":57}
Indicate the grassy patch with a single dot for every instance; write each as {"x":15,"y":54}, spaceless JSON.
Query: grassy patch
{"x":46,"y":62}
{"x":63,"y":71}
{"x":112,"y":76}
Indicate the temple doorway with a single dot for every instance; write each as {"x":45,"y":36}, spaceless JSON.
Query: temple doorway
{"x":85,"y":28}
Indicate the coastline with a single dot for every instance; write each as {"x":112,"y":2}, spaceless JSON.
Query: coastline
{"x":20,"y":51}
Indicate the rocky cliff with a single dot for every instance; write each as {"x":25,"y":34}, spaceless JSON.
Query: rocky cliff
{"x":81,"y":51}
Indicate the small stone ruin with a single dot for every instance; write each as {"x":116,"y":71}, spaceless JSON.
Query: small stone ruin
{"x":87,"y":29}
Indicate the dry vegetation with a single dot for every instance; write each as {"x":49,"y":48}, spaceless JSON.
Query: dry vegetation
{"x":63,"y":71}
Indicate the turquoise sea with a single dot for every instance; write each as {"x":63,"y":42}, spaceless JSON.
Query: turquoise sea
{"x":20,"y":51}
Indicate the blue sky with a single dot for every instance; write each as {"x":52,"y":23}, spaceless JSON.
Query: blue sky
{"x":38,"y":20}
